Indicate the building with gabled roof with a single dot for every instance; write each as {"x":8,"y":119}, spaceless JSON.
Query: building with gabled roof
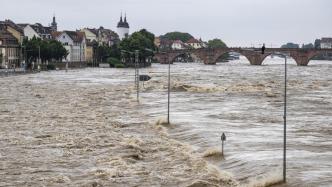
{"x":74,"y":42}
{"x":178,"y":44}
{"x":14,"y":29}
{"x":194,"y":43}
{"x":101,"y":35}
{"x":38,"y":30}
{"x":9,"y":49}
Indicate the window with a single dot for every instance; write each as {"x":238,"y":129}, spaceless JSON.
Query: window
{"x":64,"y":37}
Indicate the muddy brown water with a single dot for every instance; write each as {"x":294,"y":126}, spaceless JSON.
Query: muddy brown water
{"x":84,"y":127}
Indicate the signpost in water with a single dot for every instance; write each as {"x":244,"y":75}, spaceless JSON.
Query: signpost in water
{"x":223,"y":138}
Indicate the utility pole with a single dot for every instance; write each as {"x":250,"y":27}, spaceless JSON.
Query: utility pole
{"x":137,"y":73}
{"x":80,"y":54}
{"x":39,"y":54}
{"x":285,"y":120}
{"x":169,"y":89}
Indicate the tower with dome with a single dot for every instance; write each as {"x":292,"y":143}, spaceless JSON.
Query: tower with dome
{"x":123,"y":27}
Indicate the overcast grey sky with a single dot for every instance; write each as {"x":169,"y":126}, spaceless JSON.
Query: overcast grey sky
{"x":237,"y":22}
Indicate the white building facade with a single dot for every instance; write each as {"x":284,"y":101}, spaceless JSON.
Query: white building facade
{"x":37,"y":30}
{"x":178,"y":44}
{"x":326,"y":43}
{"x":74,"y":43}
{"x":194,"y":43}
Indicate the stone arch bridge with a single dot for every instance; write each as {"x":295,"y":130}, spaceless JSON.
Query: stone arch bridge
{"x":254,"y":55}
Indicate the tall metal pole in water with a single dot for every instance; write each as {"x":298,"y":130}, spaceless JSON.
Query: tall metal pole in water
{"x":285,"y":104}
{"x":39,"y":55}
{"x":137,"y":73}
{"x":169,"y":89}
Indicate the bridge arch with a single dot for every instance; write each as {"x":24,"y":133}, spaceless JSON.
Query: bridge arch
{"x":220,"y":54}
{"x":265,"y":60}
{"x":189,"y":54}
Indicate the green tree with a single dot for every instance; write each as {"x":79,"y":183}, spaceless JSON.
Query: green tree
{"x":49,"y":50}
{"x":216,"y":43}
{"x":143,"y":41}
{"x":184,"y":37}
{"x":102,"y":52}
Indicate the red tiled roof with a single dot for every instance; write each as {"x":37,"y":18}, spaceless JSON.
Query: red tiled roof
{"x":75,"y":36}
{"x":192,"y":40}
{"x":55,"y":34}
{"x":178,"y":41}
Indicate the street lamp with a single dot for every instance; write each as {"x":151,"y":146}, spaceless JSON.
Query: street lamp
{"x":169,"y":83}
{"x":137,"y":73}
{"x":285,"y":116}
{"x":136,"y":70}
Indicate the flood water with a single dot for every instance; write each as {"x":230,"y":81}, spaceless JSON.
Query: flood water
{"x":243,"y":101}
{"x":246,"y":103}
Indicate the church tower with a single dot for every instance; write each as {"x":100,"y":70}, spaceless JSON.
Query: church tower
{"x":54,"y":25}
{"x":123,"y":27}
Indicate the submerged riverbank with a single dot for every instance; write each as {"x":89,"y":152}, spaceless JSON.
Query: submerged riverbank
{"x":82,"y":129}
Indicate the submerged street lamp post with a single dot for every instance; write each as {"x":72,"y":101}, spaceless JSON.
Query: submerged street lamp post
{"x":169,"y":89}
{"x":285,"y":118}
{"x":285,"y":122}
{"x":137,"y":73}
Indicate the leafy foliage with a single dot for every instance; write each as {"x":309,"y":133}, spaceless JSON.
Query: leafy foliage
{"x":113,"y":61}
{"x":184,"y":37}
{"x":119,"y":66}
{"x":216,"y":43}
{"x":49,"y":49}
{"x":102,"y":52}
{"x":143,"y":41}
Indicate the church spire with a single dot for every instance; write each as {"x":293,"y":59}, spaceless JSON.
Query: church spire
{"x":121,"y":18}
{"x":125,"y":18}
{"x":54,"y":25}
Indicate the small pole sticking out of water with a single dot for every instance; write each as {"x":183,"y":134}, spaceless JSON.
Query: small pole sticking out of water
{"x":137,"y":73}
{"x":223,"y":138}
{"x":169,"y":89}
{"x":66,"y":66}
{"x":285,"y":121}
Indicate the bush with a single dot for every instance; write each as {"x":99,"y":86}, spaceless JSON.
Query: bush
{"x":114,"y":62}
{"x":119,"y":66}
{"x":50,"y":67}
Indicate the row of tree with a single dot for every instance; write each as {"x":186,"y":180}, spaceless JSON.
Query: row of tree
{"x":47,"y":50}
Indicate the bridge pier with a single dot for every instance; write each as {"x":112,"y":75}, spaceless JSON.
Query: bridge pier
{"x":255,"y":58}
{"x":300,"y":59}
